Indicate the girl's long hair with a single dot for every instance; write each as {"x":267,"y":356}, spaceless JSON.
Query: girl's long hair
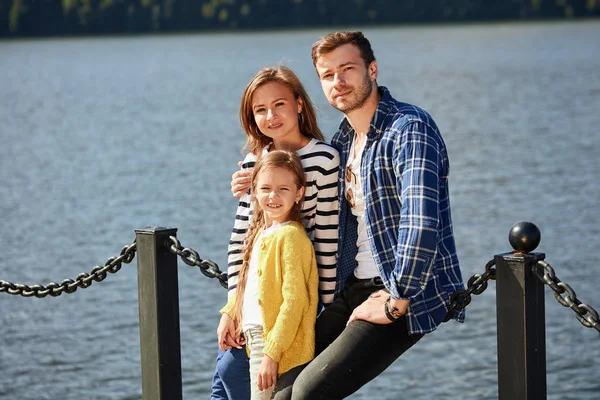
{"x":307,"y":119}
{"x":273,"y":159}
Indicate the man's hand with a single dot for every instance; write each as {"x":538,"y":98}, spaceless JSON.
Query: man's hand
{"x":267,"y":373}
{"x":227,"y":334}
{"x":240,"y":181}
{"x":372,"y":309}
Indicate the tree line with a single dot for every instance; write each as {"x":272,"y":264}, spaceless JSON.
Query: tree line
{"x":20,"y":18}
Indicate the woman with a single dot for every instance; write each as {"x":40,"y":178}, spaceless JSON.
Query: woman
{"x":276,"y":113}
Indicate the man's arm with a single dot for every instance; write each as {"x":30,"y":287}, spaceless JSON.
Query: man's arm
{"x":417,"y":164}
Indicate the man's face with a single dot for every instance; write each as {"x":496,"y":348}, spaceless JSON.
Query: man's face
{"x":345,"y":79}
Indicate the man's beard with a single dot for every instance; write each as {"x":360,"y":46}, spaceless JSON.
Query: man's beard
{"x":362,"y":93}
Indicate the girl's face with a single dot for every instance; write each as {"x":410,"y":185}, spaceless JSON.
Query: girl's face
{"x":276,"y":112}
{"x":276,"y":193}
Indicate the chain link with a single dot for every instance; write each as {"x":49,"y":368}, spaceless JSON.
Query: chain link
{"x":83,"y":280}
{"x":476,"y":285}
{"x":565,"y":295}
{"x":191,"y":258}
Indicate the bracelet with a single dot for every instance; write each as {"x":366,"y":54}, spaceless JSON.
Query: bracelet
{"x":391,"y":312}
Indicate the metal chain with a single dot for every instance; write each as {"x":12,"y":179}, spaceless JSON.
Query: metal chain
{"x":460,"y":299}
{"x":566,"y":296}
{"x":476,"y":285}
{"x":83,"y":280}
{"x":191,"y":258}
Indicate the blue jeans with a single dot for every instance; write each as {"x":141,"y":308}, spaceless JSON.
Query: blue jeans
{"x":231,"y":380}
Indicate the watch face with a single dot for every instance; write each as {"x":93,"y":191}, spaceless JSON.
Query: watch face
{"x":393,"y":312}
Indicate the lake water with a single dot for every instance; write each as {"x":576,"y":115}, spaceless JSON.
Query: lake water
{"x":101,"y":136}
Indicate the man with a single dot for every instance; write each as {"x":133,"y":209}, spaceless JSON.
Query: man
{"x":397,"y":263}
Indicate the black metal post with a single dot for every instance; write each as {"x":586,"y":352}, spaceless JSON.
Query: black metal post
{"x":158,"y":297}
{"x":521,"y":319}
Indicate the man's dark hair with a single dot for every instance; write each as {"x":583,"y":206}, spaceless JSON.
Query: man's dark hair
{"x":332,"y":41}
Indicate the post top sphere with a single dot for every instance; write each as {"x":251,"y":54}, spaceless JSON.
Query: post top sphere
{"x":524,"y":237}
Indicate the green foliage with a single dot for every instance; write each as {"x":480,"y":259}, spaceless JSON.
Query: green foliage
{"x":14,"y":15}
{"x":67,"y":5}
{"x":47,"y":17}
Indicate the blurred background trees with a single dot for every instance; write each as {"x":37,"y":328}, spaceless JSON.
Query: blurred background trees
{"x":95,"y":17}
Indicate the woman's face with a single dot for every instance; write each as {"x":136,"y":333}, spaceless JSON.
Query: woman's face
{"x":276,"y":112}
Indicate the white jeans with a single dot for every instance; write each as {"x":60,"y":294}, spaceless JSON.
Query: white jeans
{"x":256,"y":344}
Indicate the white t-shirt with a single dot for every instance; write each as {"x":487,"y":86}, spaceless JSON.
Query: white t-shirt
{"x":366,"y":267}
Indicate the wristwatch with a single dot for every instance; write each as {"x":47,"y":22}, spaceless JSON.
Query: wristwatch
{"x":391,"y":312}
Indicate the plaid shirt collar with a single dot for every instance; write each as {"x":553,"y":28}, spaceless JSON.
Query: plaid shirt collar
{"x":383,"y":108}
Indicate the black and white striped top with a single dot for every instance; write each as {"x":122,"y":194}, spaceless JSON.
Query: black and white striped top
{"x":319,"y":215}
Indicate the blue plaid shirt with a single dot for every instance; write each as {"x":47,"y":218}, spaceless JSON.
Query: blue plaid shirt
{"x":404,"y":172}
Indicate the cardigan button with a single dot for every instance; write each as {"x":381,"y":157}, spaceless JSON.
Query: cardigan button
{"x":259,"y":272}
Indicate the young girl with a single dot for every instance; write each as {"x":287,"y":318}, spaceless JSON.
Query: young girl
{"x":275,"y":304}
{"x":276,"y":113}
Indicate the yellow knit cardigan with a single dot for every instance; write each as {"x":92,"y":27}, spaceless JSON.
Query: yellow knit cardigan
{"x":287,"y":295}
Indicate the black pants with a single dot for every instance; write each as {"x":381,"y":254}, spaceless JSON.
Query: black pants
{"x":347,"y":357}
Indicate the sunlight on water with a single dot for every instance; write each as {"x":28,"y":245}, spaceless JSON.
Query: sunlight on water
{"x":103,"y":136}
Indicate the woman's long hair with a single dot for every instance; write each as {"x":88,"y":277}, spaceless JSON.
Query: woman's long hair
{"x":274,"y":159}
{"x":307,"y":118}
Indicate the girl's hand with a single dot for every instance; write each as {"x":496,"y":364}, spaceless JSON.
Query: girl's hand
{"x":227,"y":334}
{"x":240,"y":181}
{"x":267,"y":374}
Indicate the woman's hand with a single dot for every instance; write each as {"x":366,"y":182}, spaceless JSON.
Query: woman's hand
{"x":267,"y":374}
{"x":227,"y":334}
{"x":240,"y":181}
